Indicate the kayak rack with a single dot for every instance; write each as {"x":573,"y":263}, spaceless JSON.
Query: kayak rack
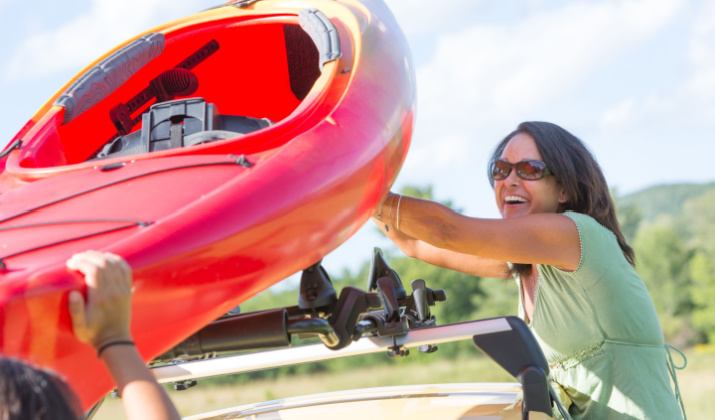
{"x":356,"y":323}
{"x":337,"y":321}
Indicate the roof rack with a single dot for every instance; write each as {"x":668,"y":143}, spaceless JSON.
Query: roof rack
{"x":383,"y":318}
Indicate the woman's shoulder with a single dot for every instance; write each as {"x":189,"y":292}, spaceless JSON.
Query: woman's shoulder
{"x":579,"y":217}
{"x":598,"y":243}
{"x":586,"y":223}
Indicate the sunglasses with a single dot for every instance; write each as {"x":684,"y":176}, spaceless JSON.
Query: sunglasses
{"x":530,"y":170}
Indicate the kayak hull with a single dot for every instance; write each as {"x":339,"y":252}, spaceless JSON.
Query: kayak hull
{"x":204,"y":227}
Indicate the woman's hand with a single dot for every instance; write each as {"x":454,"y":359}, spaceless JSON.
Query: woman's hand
{"x":104,"y":319}
{"x":105,"y":316}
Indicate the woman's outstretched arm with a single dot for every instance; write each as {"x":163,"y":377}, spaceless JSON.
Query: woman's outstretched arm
{"x":385,"y":217}
{"x":545,"y":238}
{"x":103,"y":322}
{"x":464,"y":263}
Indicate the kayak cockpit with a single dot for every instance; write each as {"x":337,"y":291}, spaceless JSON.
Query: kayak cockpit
{"x":175,"y":82}
{"x":181,"y":123}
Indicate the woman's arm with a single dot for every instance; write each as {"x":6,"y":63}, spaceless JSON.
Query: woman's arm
{"x":103,"y":322}
{"x":423,"y":251}
{"x":142,"y":396}
{"x":545,"y":238}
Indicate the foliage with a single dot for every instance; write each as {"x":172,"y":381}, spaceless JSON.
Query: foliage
{"x":701,"y":214}
{"x":629,"y":217}
{"x":663,"y":199}
{"x":675,"y":254}
{"x":703,"y":294}
{"x":664,"y":264}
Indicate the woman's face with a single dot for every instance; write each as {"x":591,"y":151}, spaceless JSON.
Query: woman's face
{"x":518,"y":197}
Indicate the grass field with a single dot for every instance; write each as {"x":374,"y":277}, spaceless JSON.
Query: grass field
{"x":697,"y":384}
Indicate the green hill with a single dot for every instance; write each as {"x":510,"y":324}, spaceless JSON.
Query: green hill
{"x":663,"y":199}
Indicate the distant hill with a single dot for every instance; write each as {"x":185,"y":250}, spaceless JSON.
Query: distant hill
{"x":654,"y":201}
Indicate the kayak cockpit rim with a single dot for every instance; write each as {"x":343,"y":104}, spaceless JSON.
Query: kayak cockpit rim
{"x":50,"y":147}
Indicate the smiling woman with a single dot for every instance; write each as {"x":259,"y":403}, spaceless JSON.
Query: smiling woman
{"x":560,"y":240}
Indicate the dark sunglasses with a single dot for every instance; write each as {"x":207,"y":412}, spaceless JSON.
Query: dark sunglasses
{"x":530,"y":170}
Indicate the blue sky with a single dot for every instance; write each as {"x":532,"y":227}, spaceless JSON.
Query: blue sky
{"x":635,"y":79}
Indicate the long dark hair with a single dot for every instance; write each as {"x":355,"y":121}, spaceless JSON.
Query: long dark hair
{"x":27,"y":393}
{"x":577,"y":171}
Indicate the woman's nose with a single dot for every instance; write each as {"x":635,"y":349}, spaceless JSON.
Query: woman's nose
{"x":513,"y":178}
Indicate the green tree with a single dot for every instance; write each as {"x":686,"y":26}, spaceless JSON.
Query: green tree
{"x":498,"y":298}
{"x":701,"y":215}
{"x":703,"y":294}
{"x":664,"y":199}
{"x":629,"y":216}
{"x":663,"y":263}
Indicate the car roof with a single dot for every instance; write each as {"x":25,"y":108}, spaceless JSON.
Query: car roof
{"x":414,"y":402}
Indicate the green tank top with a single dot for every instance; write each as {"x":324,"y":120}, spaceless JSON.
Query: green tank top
{"x":600,"y":333}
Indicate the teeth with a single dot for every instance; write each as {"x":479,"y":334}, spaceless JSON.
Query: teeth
{"x":514,"y":199}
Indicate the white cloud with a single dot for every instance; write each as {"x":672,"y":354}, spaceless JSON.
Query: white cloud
{"x":632,"y":112}
{"x":80,"y":41}
{"x":701,"y":53}
{"x":516,"y":66}
{"x":691,"y":101}
{"x":619,"y":114}
{"x":417,"y":17}
{"x":494,"y":74}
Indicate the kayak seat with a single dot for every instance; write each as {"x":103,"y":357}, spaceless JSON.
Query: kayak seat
{"x":181,"y":123}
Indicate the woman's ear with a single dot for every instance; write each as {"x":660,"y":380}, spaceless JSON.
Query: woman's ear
{"x":563,"y":197}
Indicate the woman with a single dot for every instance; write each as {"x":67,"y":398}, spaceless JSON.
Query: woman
{"x":560,"y":240}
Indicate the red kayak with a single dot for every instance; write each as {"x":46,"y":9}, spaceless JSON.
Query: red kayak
{"x":219,"y":154}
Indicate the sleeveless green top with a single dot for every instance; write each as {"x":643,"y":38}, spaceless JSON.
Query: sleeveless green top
{"x":599,"y":331}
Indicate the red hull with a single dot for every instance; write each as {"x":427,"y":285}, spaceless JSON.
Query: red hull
{"x":203,"y":232}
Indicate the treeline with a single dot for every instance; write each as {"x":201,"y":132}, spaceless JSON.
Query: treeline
{"x":671,"y":228}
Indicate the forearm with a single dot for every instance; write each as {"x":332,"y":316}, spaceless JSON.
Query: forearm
{"x":420,"y":220}
{"x":142,"y":396}
{"x":465,"y":263}
{"x":407,"y":244}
